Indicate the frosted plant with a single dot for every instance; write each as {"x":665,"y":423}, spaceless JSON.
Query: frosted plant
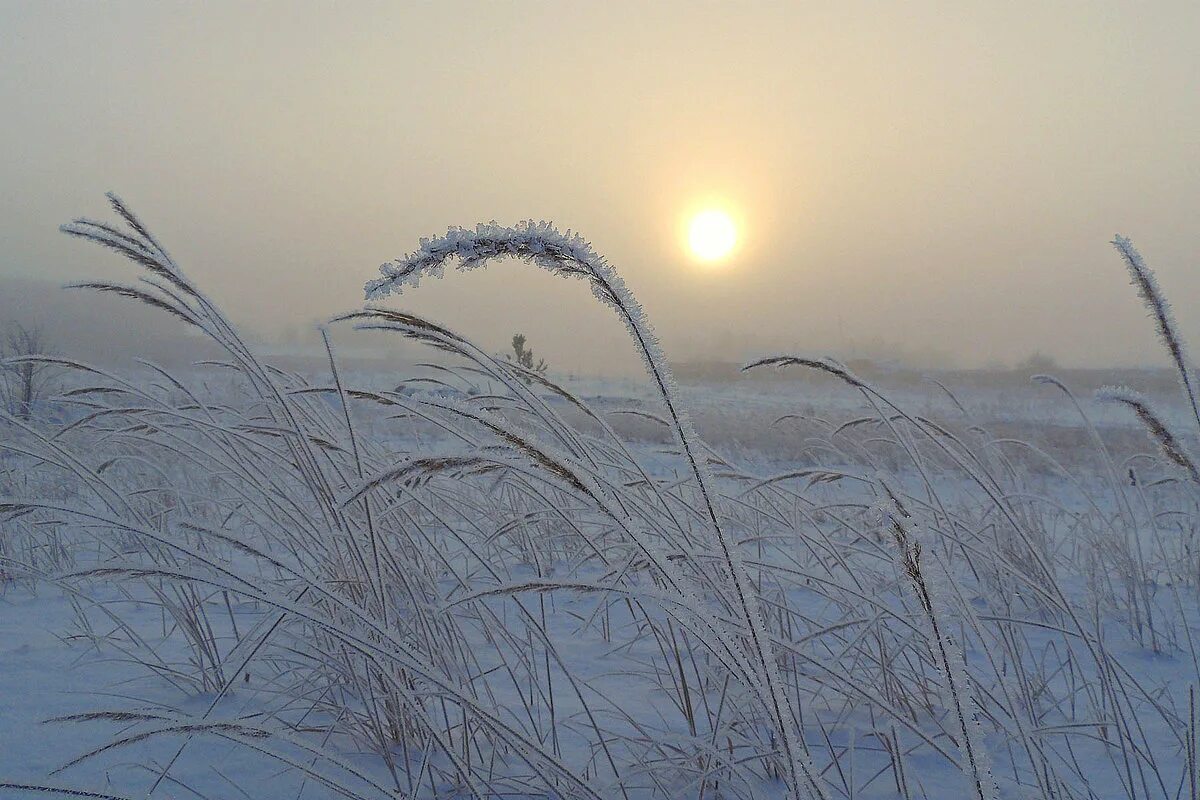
{"x":1156,"y":302}
{"x":1170,"y":445}
{"x":570,"y":255}
{"x":947,"y":653}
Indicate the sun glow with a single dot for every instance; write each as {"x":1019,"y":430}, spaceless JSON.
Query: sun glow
{"x":712,"y":235}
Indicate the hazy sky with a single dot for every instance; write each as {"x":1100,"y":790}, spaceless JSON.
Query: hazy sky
{"x":908,"y":177}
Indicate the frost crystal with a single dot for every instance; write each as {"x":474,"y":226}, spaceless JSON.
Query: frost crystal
{"x":538,"y":242}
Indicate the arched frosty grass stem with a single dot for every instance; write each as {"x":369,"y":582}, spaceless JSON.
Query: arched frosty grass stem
{"x":570,"y":255}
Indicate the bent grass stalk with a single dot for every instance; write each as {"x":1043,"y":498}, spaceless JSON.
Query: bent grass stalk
{"x":570,"y":255}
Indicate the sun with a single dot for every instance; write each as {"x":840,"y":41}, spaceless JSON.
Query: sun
{"x":712,"y":235}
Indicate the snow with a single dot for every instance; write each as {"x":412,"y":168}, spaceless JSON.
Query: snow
{"x":54,"y":666}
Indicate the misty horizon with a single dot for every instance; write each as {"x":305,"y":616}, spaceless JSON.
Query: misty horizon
{"x":110,"y":331}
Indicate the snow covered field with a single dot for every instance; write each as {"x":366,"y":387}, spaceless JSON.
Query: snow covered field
{"x":110,"y":644}
{"x":243,"y":582}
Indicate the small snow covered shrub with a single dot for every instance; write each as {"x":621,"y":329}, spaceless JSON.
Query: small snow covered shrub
{"x":494,"y":593}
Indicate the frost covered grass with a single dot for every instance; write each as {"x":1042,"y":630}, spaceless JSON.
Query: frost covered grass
{"x":478,"y":586}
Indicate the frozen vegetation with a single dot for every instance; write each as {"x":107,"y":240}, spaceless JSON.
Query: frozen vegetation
{"x":236,"y":581}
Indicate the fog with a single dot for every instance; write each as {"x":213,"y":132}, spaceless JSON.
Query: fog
{"x":932,"y":182}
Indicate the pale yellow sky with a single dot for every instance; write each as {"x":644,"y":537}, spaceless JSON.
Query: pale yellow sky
{"x":909,"y":177}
